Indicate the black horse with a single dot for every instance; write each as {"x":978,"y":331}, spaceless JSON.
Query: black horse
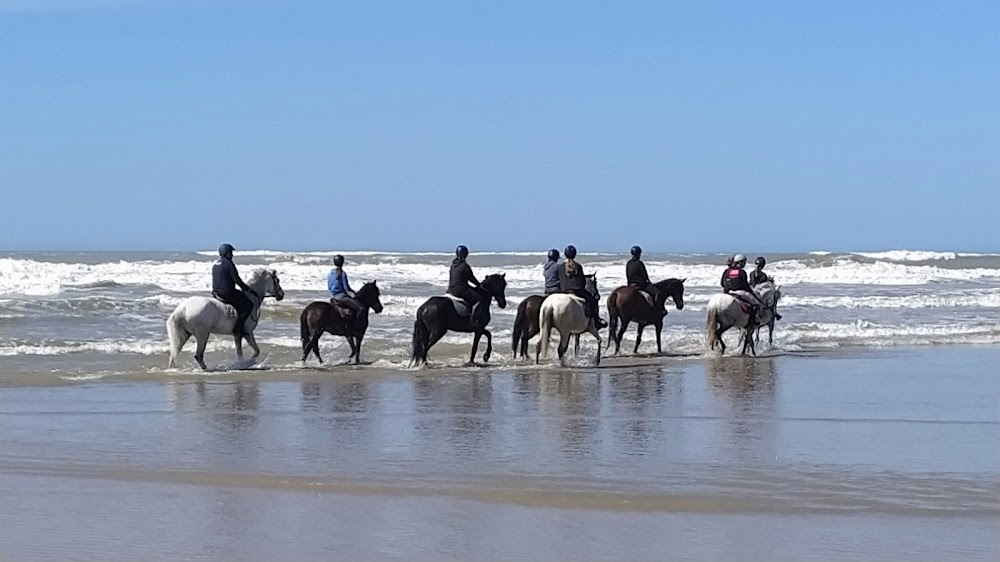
{"x":438,"y":315}
{"x":326,"y":316}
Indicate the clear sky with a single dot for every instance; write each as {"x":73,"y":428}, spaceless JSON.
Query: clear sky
{"x":698,"y":126}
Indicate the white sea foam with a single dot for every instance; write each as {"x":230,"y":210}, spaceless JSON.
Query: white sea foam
{"x":36,"y":278}
{"x":908,"y":255}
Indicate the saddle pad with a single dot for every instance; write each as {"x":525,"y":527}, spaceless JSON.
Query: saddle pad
{"x":460,"y":305}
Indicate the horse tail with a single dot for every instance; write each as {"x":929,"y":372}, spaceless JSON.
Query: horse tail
{"x":545,"y":325}
{"x":177,"y":335}
{"x":710,"y":327}
{"x":612,"y":318}
{"x":420,"y":338}
{"x":304,"y":331}
{"x":519,"y":321}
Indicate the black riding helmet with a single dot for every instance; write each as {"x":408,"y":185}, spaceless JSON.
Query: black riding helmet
{"x":570,"y":252}
{"x":760,"y":261}
{"x":462,"y":252}
{"x":338,"y":260}
{"x":226,"y":250}
{"x":636,"y":251}
{"x":554,"y":254}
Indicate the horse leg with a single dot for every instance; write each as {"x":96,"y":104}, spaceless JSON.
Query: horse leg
{"x":597,"y":334}
{"x":313,"y":345}
{"x":475,"y":346}
{"x":489,"y":344}
{"x":659,"y":328}
{"x":576,"y":345}
{"x":718,"y":338}
{"x":770,"y":334}
{"x":354,"y":346}
{"x":357,"y":352}
{"x":199,"y":352}
{"x":239,"y":346}
{"x":638,"y":338}
{"x":563,"y":346}
{"x":253,"y":343}
{"x":620,"y":335}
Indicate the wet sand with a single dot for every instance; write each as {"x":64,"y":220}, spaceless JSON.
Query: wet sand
{"x":884,"y":455}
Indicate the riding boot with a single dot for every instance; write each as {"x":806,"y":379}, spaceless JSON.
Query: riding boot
{"x":777,"y":316}
{"x":753,"y":313}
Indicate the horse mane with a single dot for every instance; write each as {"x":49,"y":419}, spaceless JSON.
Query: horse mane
{"x":257,"y":275}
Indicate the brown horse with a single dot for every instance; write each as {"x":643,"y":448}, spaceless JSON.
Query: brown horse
{"x":526,"y":325}
{"x":324,"y":316}
{"x":628,"y":303}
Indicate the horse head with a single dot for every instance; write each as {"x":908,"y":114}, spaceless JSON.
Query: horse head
{"x":591,"y":286}
{"x":495,"y":286}
{"x":674,"y":288}
{"x":273,"y":286}
{"x":369,"y":295}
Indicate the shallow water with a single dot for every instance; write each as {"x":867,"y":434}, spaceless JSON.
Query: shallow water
{"x":877,"y":456}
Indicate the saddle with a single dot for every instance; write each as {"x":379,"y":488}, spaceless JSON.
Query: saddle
{"x":344,"y":312}
{"x":648,"y":297}
{"x":461,"y":307}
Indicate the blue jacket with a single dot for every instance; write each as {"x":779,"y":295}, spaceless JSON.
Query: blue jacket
{"x":338,"y":286}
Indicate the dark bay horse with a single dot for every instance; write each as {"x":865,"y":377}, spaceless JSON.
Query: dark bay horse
{"x":438,"y":315}
{"x":324,"y":316}
{"x":525,"y":325}
{"x":628,"y":303}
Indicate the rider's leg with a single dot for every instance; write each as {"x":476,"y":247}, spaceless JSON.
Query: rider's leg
{"x":243,"y":308}
{"x":593,"y":308}
{"x":659,"y":300}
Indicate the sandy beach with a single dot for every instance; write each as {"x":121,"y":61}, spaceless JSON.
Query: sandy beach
{"x":874,"y":455}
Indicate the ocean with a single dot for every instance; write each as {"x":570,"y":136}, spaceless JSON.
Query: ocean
{"x":105,"y":312}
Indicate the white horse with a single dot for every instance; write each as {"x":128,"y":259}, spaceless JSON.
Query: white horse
{"x":202,"y":316}
{"x":568,"y":314}
{"x":724,"y":312}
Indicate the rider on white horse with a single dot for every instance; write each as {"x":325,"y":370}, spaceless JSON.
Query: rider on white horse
{"x":572,"y":280}
{"x":225,"y":278}
{"x":735,"y":283}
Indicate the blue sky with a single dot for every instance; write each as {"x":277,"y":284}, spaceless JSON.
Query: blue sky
{"x":694,"y":126}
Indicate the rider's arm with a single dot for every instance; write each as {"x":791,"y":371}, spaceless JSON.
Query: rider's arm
{"x":471,"y":276}
{"x":723,"y":282}
{"x":347,"y":285}
{"x":236,"y":277}
{"x":645,"y":274}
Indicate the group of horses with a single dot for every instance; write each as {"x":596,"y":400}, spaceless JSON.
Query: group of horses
{"x":536,"y":315}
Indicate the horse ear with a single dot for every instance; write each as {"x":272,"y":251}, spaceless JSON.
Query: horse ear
{"x":503,"y":275}
{"x":683,"y":280}
{"x":374,"y":281}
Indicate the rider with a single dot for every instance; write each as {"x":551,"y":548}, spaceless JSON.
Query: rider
{"x":572,"y":280}
{"x":225,"y":278}
{"x":459,"y":279}
{"x":340,"y":288}
{"x":757,"y":276}
{"x":551,"y":272}
{"x":734,"y":282}
{"x":635,"y":274}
